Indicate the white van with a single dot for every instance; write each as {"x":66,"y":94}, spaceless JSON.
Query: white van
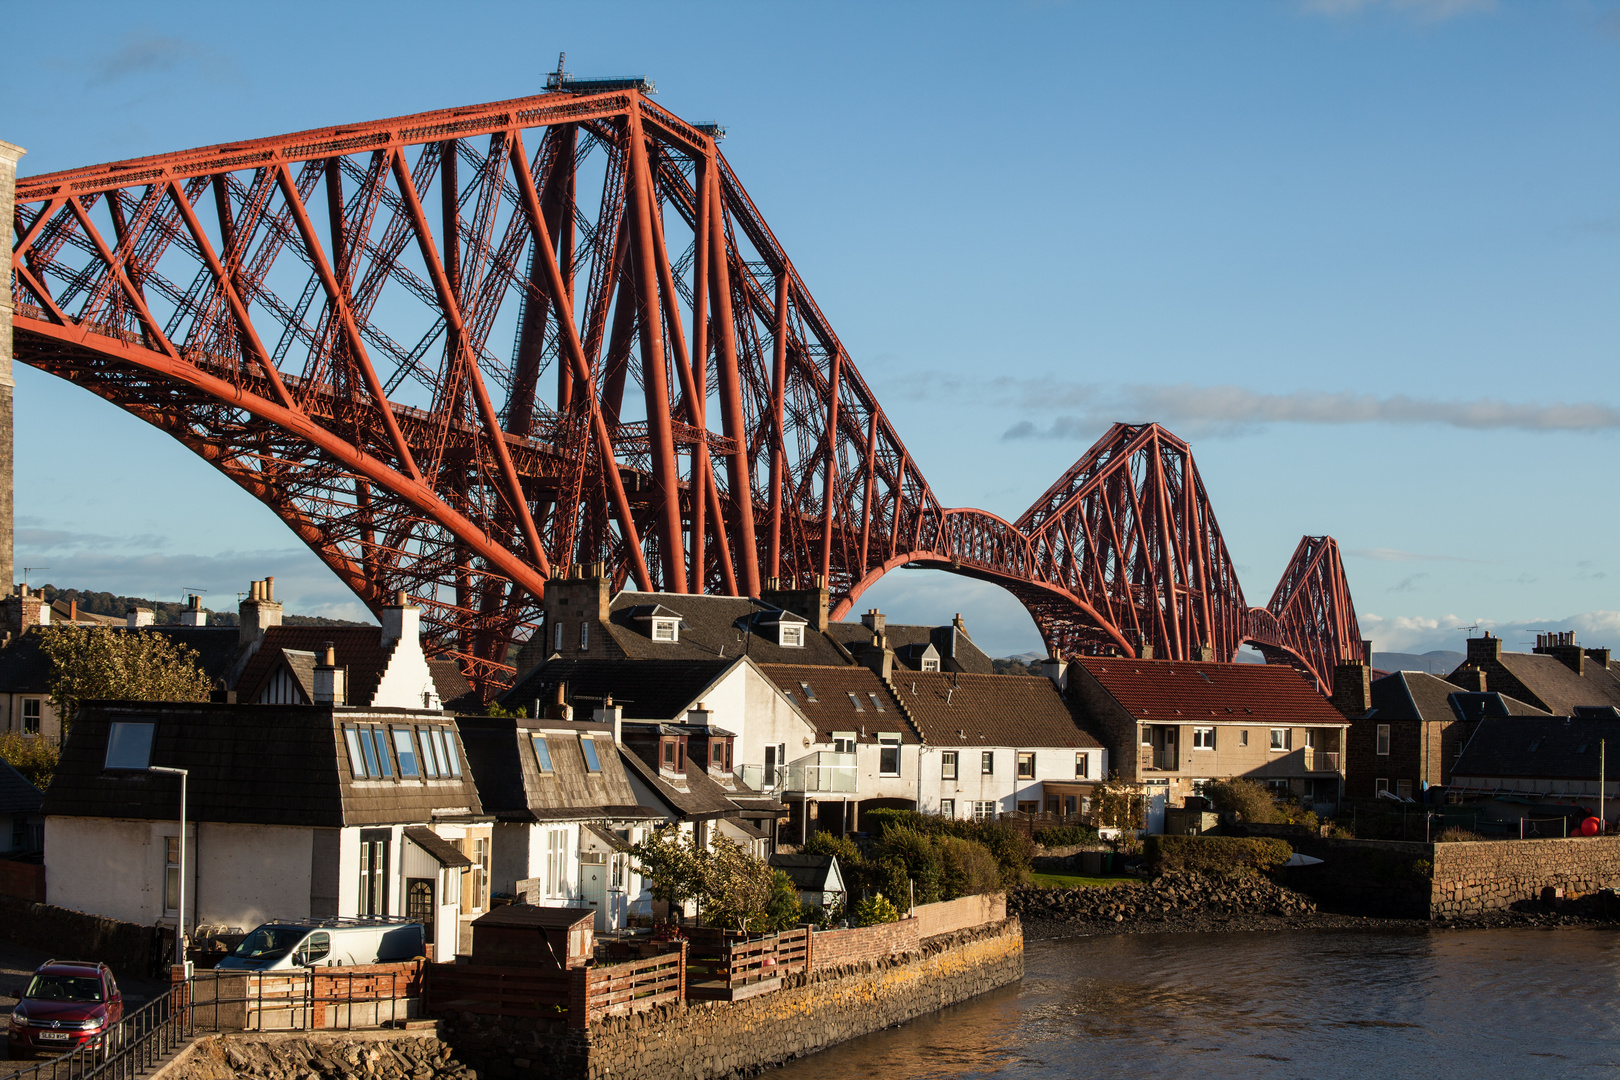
{"x":287,"y":944}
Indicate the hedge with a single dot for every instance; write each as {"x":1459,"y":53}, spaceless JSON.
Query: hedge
{"x":1216,"y":856}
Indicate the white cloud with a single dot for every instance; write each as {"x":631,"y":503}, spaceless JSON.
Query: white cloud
{"x":1420,"y":634}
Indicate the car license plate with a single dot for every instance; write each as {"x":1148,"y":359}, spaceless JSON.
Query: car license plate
{"x":55,"y":1036}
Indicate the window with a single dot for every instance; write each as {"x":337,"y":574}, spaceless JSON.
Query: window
{"x":1203,"y":738}
{"x":987,"y":762}
{"x":809,"y":694}
{"x":665,"y":630}
{"x":357,"y":763}
{"x":480,"y":873}
{"x":877,"y":703}
{"x":584,"y":635}
{"x":1026,"y":766}
{"x":930,"y":665}
{"x":1403,"y":788}
{"x":947,"y":765}
{"x":557,"y":638}
{"x":30,"y":716}
{"x":542,"y":752}
{"x":1282,"y":738}
{"x":947,"y":808}
{"x":556,"y":862}
{"x":888,"y":755}
{"x":374,"y":872}
{"x":984,"y":811}
{"x":1383,"y":738}
{"x":171,"y":873}
{"x":406,"y":752}
{"x":428,"y":767}
{"x":717,"y":755}
{"x":1381,"y":785}
{"x":441,"y":760}
{"x":452,"y":758}
{"x":370,"y":748}
{"x":1029,"y":807}
{"x":843,"y":742}
{"x":1082,"y":766}
{"x":669,"y":753}
{"x":592,"y":763}
{"x":790,"y":635}
{"x":855,"y":701}
{"x":129,"y":745}
{"x":1243,"y":737}
{"x":383,"y":759}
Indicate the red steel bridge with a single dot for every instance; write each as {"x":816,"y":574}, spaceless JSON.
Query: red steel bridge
{"x":462,"y":352}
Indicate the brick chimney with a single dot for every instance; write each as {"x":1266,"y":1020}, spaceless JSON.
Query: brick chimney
{"x":1482,"y":650}
{"x":330,"y":680}
{"x":1600,"y":657}
{"x":880,"y":658}
{"x":875,"y":621}
{"x":1469,"y":679}
{"x":23,"y":609}
{"x":194,"y":615}
{"x":1562,"y":647}
{"x":811,"y":603}
{"x":257,"y":613}
{"x":1352,"y":688}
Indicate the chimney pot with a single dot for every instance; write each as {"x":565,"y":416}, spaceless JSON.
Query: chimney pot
{"x":269,"y":588}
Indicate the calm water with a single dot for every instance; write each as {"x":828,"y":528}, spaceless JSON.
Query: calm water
{"x":1477,"y":1004}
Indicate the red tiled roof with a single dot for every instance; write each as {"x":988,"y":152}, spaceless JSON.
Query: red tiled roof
{"x":1186,"y":691}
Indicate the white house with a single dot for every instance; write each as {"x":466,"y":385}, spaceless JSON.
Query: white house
{"x":291,"y":812}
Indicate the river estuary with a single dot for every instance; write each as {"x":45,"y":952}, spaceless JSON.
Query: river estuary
{"x":1329,"y":1004}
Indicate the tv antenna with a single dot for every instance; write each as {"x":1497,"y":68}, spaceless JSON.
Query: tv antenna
{"x":29,"y":570}
{"x":1470,"y":629}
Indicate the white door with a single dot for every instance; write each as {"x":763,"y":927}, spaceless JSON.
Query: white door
{"x":1157,"y":796}
{"x":593,"y":888}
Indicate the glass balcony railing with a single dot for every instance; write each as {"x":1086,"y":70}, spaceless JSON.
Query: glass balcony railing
{"x":823,"y":771}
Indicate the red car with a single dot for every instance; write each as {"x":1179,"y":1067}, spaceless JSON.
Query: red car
{"x":67,"y":1004}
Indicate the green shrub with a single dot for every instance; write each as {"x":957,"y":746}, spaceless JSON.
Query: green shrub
{"x":1455,"y":834}
{"x":967,"y":867}
{"x":783,"y":910}
{"x":874,"y":911}
{"x":32,"y":755}
{"x":1010,"y":847}
{"x":840,"y":847}
{"x":919,"y":854}
{"x":1249,"y":800}
{"x":1216,"y":856}
{"x":1065,"y":835}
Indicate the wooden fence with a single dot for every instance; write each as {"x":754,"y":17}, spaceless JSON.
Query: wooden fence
{"x":306,"y":999}
{"x":733,"y":967}
{"x":25,"y":881}
{"x":578,"y":995}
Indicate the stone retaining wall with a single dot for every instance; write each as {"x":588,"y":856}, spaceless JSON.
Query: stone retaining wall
{"x":706,"y":1040}
{"x":131,"y":950}
{"x":1473,"y":878}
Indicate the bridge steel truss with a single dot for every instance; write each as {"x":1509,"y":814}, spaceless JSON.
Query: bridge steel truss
{"x":321,"y":316}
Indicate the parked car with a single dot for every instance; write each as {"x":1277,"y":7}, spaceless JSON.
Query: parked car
{"x":280,"y":946}
{"x":67,"y":1004}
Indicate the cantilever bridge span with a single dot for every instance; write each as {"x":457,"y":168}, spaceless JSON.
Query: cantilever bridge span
{"x":463,"y":351}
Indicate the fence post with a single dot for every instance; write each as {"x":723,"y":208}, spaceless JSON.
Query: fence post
{"x":579,"y":998}
{"x":681,"y":983}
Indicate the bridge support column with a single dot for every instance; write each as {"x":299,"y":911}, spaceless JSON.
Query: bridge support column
{"x":8,"y":190}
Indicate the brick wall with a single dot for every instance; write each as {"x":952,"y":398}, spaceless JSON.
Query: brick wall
{"x":864,"y":944}
{"x":708,"y":1040}
{"x":949,"y":916}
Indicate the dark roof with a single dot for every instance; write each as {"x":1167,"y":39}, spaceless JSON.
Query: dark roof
{"x":545,"y":918}
{"x":25,"y":669}
{"x":696,"y":797}
{"x":438,"y":848}
{"x":1188,"y":691}
{"x":1559,"y":687}
{"x":357,"y":648}
{"x":512,"y":787}
{"x":713,"y":628}
{"x":456,"y":694}
{"x":956,"y":650}
{"x":843,"y":700}
{"x":249,"y":764}
{"x":1554,"y":747}
{"x":812,"y":873}
{"x":645,"y":689}
{"x":17,"y":795}
{"x":1417,"y":695}
{"x":989,"y":710}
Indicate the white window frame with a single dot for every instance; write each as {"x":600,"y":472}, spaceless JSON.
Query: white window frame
{"x":930,"y":665}
{"x":843,"y":742}
{"x":947,"y":808}
{"x":1283,"y":744}
{"x":666,"y":630}
{"x":1203,"y":738}
{"x":557,"y":638}
{"x":1023,"y":758}
{"x":984,"y":810}
{"x":1383,"y":740}
{"x":987,"y":763}
{"x":1082,"y":766}
{"x":556,"y":862}
{"x":30,"y":724}
{"x":584,"y":635}
{"x":948,"y":765}
{"x":790,"y":635}
{"x":886,"y":742}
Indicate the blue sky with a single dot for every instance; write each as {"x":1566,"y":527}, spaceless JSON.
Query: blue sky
{"x":1363,"y":255}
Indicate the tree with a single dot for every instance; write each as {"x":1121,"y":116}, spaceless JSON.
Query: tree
{"x":1119,"y":805}
{"x":737,"y":885}
{"x":30,"y":755}
{"x":97,"y":663}
{"x":671,"y":863}
{"x":1249,"y":800}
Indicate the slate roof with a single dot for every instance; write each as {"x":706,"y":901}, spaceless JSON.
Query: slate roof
{"x":990,"y":710}
{"x":1558,"y":687}
{"x":646,"y":689}
{"x":956,"y":650}
{"x":357,"y":648}
{"x":700,"y":798}
{"x":811,"y":873}
{"x":17,"y":795}
{"x":441,"y":850}
{"x":456,"y":694}
{"x":249,"y":764}
{"x":512,"y":787}
{"x":1417,"y":695}
{"x":24,"y":667}
{"x":1188,"y":691}
{"x":1555,"y":748}
{"x":714,"y":628}
{"x":834,"y":707}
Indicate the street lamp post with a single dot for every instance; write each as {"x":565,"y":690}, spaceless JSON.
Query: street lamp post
{"x":180,"y":906}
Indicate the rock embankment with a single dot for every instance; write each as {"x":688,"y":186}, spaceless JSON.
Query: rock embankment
{"x":1169,"y":902}
{"x":321,"y":1057}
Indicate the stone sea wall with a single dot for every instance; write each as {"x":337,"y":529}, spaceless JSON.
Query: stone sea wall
{"x":703,"y":1040}
{"x":1474,"y":878}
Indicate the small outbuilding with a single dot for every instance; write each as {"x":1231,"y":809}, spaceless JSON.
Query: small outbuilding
{"x":526,"y":935}
{"x":817,"y":877}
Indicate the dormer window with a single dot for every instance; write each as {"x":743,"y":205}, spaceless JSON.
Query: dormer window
{"x":790,"y":635}
{"x":666,"y":629}
{"x":930,"y":665}
{"x":672,"y":754}
{"x":542,"y":753}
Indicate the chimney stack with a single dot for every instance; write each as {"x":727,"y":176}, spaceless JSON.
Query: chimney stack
{"x":1352,"y":688}
{"x":1482,"y":650}
{"x":1470,"y":679}
{"x":1056,"y":669}
{"x":610,"y":713}
{"x":811,"y":603}
{"x":194,"y":615}
{"x":137,"y":617}
{"x":401,"y":620}
{"x":1562,"y":647}
{"x":258,"y":613}
{"x":330,"y":680}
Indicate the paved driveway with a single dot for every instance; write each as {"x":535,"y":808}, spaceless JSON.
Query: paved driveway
{"x":17,"y":963}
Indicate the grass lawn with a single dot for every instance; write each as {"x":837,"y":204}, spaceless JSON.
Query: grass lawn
{"x":1074,"y":881}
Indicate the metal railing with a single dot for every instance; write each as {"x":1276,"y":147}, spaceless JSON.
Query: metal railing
{"x":310,"y":999}
{"x":126,"y":1050}
{"x":1321,"y":760}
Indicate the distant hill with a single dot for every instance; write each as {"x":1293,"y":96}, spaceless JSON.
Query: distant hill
{"x":1024,"y":664}
{"x":1437,"y":662}
{"x":165,"y":612}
